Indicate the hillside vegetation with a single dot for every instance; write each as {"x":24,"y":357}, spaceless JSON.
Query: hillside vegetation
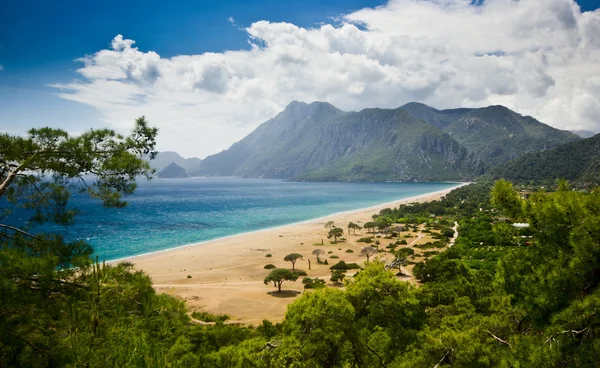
{"x":576,"y":161}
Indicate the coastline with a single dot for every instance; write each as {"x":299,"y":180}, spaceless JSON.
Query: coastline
{"x":225,"y":275}
{"x":376,"y":207}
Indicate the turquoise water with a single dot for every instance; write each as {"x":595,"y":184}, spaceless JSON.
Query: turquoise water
{"x":166,"y":213}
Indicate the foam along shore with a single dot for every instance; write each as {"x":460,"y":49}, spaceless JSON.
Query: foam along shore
{"x":225,"y":276}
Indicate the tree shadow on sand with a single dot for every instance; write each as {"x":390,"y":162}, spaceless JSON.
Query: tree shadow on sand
{"x":284,"y":293}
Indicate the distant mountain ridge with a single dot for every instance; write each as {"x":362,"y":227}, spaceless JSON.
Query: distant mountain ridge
{"x":319,"y":142}
{"x":164,"y":159}
{"x":173,"y":171}
{"x":495,"y":133}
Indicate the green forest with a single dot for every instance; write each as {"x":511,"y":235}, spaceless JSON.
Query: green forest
{"x":500,"y":297}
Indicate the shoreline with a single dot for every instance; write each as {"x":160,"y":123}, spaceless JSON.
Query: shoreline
{"x":225,"y":275}
{"x":258,"y":231}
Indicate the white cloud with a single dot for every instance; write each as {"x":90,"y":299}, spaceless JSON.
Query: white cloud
{"x":1,"y":67}
{"x":538,"y":57}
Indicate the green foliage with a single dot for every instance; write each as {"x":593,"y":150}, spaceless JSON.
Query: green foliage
{"x":341,"y":265}
{"x":337,"y":276}
{"x":315,"y":283}
{"x":335,"y":233}
{"x":575,"y":161}
{"x":269,"y":266}
{"x":207,"y":317}
{"x":278,"y":276}
{"x":293,"y":257}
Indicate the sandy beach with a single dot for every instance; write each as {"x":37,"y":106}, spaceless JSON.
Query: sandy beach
{"x":227,"y":274}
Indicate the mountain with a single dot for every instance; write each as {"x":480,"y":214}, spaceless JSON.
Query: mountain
{"x":430,"y":115}
{"x":173,"y":171}
{"x":495,"y":133}
{"x":415,"y":142}
{"x":584,"y":133}
{"x":578,"y":160}
{"x":317,"y":141}
{"x":163,"y":159}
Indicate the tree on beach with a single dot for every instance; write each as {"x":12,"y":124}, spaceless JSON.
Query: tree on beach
{"x":293,"y":257}
{"x":278,"y":276}
{"x":318,"y":253}
{"x":368,"y":252}
{"x":370,"y":225}
{"x":353,"y":227}
{"x":337,"y":276}
{"x":335,"y":233}
{"x":329,"y":224}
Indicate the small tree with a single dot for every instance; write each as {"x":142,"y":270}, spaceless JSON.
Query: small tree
{"x":368,"y":252}
{"x":329,"y":225}
{"x":278,"y":276}
{"x":337,"y":276}
{"x":318,"y":253}
{"x":370,"y":225}
{"x":293,"y":257}
{"x":353,"y":227}
{"x":335,"y":233}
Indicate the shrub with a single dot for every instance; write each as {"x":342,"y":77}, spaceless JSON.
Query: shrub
{"x":403,"y":242}
{"x":365,"y":240}
{"x":189,"y":276}
{"x":269,"y":266}
{"x":300,"y":273}
{"x":341,"y":265}
{"x":333,"y":256}
{"x":349,"y":251}
{"x":208,"y":317}
{"x":269,"y":255}
{"x":313,"y":283}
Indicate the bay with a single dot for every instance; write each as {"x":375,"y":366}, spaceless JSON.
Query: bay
{"x":167,"y":213}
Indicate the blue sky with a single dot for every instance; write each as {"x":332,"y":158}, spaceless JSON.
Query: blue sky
{"x":40,"y":41}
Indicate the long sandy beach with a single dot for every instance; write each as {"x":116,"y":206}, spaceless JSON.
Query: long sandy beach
{"x":226,"y":275}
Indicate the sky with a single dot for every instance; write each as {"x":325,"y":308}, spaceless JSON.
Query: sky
{"x":209,"y":72}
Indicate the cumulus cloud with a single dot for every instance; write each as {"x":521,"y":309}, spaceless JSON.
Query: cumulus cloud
{"x":538,"y":57}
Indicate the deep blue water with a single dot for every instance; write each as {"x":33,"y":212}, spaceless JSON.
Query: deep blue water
{"x":166,"y":213}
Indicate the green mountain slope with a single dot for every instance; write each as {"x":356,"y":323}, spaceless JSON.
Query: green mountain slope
{"x":578,"y":160}
{"x":495,"y":133}
{"x":320,"y":142}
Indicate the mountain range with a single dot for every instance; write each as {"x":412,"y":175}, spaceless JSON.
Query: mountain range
{"x":415,"y":142}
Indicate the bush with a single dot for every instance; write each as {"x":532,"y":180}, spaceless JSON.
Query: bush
{"x":334,"y":256}
{"x":189,"y":276}
{"x":349,"y":251}
{"x":330,"y":252}
{"x":403,"y":242}
{"x":365,"y":240}
{"x":269,"y":255}
{"x":313,"y":283}
{"x":300,"y":273}
{"x":269,"y":266}
{"x":341,"y":265}
{"x":207,"y":317}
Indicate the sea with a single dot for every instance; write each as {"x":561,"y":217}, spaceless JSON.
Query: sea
{"x":169,"y":213}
